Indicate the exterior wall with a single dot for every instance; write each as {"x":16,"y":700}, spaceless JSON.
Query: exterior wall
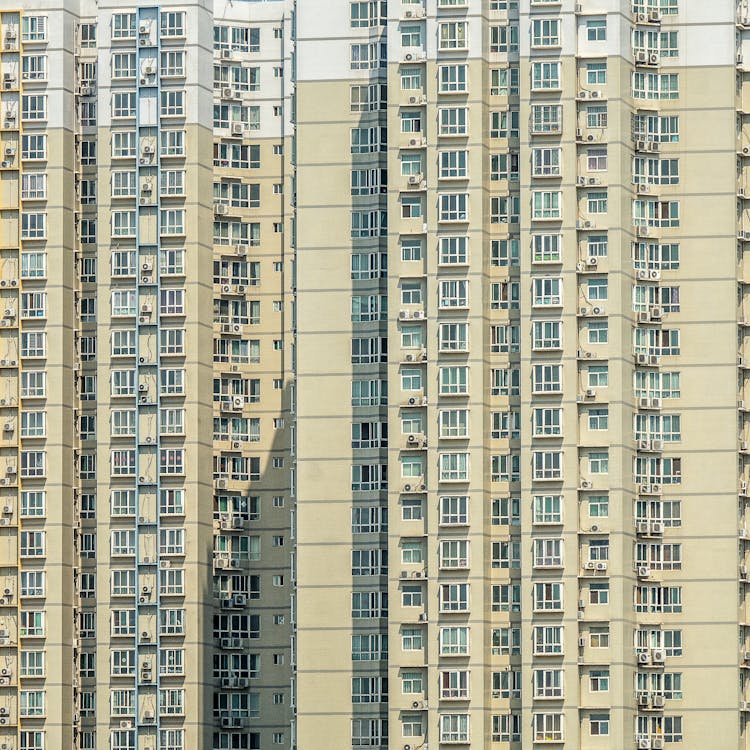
{"x":230,"y":663}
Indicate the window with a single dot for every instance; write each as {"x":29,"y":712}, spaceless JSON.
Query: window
{"x":454,"y":641}
{"x":172,"y":24}
{"x":545,"y":32}
{"x":548,"y":640}
{"x":453,"y":35}
{"x":453,"y":79}
{"x":547,"y":334}
{"x":548,"y":683}
{"x":655,"y":86}
{"x":33,"y":226}
{"x":546,"y":162}
{"x":453,"y":121}
{"x":596,"y":159}
{"x":548,"y":727}
{"x":504,"y":39}
{"x":453,"y":337}
{"x":548,"y":597}
{"x":596,"y":202}
{"x":599,"y":724}
{"x":505,"y":81}
{"x":598,"y":376}
{"x":33,"y":28}
{"x":453,"y":381}
{"x":546,"y":119}
{"x":453,"y":207}
{"x":454,"y":728}
{"x":597,"y":332}
{"x":123,"y":104}
{"x":596,"y":30}
{"x":454,"y":467}
{"x":453,"y":164}
{"x":34,"y":147}
{"x":596,"y":73}
{"x":546,"y":205}
{"x":172,"y":103}
{"x":545,"y":76}
{"x":599,"y":636}
{"x":547,"y":292}
{"x":454,"y":597}
{"x":598,"y":593}
{"x":123,"y":25}
{"x":547,"y":509}
{"x":599,"y":680}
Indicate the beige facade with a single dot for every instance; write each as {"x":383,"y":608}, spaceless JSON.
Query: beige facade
{"x":469,"y":470}
{"x":518,"y":448}
{"x":147,"y":377}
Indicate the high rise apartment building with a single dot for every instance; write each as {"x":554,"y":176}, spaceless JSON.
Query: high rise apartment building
{"x":520,"y":427}
{"x":373,"y":374}
{"x":146,"y":375}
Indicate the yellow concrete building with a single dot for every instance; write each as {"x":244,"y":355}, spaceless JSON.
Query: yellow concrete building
{"x":521,"y":469}
{"x":373,"y":374}
{"x":146,"y":375}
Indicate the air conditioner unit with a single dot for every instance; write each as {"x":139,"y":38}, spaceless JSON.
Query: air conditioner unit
{"x":654,"y":274}
{"x":237,"y":128}
{"x":642,"y":231}
{"x":148,"y":715}
{"x":414,"y":179}
{"x":584,"y":310}
{"x":583,"y":94}
{"x":594,"y":528}
{"x":590,"y":565}
{"x":226,"y":54}
{"x":240,"y":249}
{"x":658,"y":701}
{"x":642,"y":527}
{"x":658,"y":656}
{"x":148,"y":148}
{"x":641,"y":359}
{"x":586,"y":484}
{"x":422,"y":617}
{"x":644,"y":445}
{"x":11,"y":469}
{"x":643,"y":571}
{"x":146,"y":308}
{"x":143,"y":28}
{"x":221,"y":209}
{"x":227,"y":93}
{"x":644,"y":743}
{"x":641,"y":57}
{"x":653,"y":16}
{"x":644,"y":699}
{"x":601,"y":565}
{"x":590,"y":393}
{"x":644,"y":657}
{"x":597,"y":94}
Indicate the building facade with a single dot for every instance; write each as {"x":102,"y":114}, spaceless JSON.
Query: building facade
{"x":146,"y":375}
{"x":373,"y":374}
{"x":524,"y":510}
